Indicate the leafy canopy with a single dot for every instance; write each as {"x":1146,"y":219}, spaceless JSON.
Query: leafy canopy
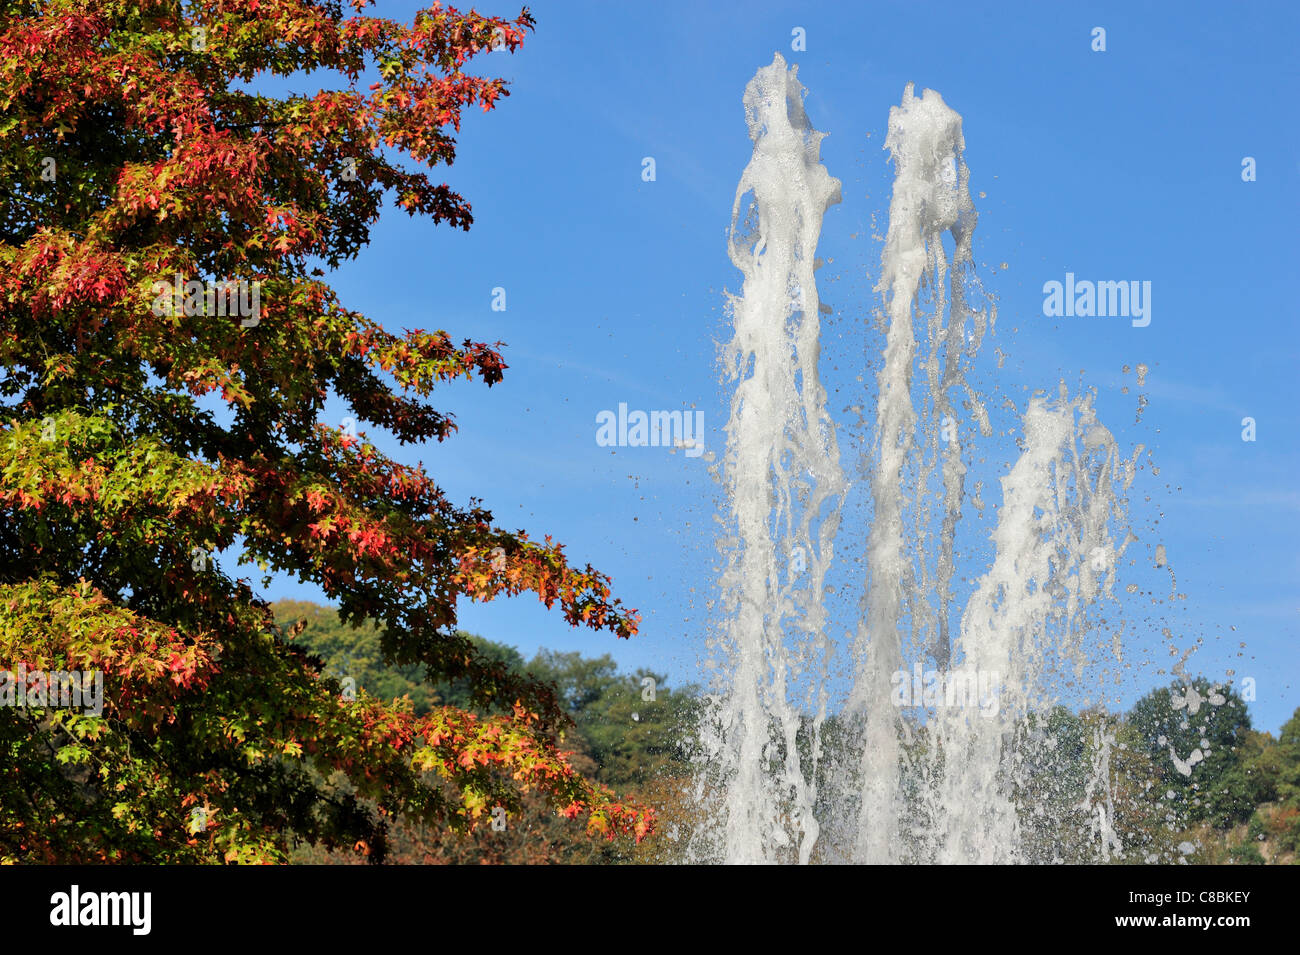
{"x":138,"y":152}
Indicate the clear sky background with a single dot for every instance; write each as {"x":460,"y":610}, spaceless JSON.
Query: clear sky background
{"x":1117,"y":165}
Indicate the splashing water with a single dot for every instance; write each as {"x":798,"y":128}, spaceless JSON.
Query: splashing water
{"x":783,"y":479}
{"x":924,"y":775}
{"x":1053,"y":559}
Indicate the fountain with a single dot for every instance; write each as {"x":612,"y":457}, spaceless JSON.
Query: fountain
{"x":924,"y":752}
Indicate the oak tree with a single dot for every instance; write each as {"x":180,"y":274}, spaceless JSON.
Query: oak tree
{"x":165,"y":228}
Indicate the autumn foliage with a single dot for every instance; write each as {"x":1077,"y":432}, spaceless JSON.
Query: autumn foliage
{"x":135,"y":148}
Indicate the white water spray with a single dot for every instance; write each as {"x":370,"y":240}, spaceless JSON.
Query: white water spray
{"x":784,"y":483}
{"x":930,"y":198}
{"x":938,"y":782}
{"x":1054,"y":558}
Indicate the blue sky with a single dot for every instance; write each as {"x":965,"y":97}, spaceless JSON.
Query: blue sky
{"x":1115,"y":165}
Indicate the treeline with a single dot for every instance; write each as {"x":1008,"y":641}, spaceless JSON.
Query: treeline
{"x":627,"y":734}
{"x":1182,"y":776}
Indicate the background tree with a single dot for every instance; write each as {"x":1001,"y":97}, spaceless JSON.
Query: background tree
{"x":1288,"y":772}
{"x":1270,"y":770}
{"x":1194,"y":732}
{"x":135,"y":155}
